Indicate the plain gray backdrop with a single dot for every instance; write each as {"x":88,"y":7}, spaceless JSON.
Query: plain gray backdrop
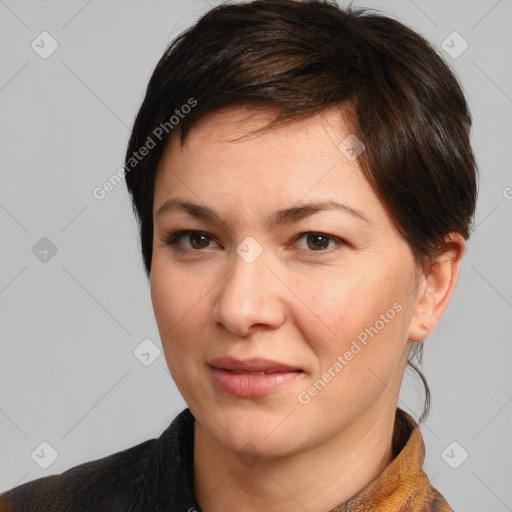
{"x":74,"y":301}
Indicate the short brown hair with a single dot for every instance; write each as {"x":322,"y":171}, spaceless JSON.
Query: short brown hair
{"x":302,"y":58}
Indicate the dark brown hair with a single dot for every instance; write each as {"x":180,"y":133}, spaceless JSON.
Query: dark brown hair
{"x":300,"y":58}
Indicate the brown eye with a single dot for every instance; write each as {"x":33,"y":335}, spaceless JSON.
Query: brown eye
{"x":197,"y":240}
{"x":319,"y":242}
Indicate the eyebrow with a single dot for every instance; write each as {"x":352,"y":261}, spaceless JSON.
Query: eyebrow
{"x":284,"y":216}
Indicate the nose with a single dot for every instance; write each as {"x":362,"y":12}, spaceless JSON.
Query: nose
{"x":249,"y":296}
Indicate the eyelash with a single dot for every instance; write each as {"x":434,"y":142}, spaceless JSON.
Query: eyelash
{"x":173,"y":238}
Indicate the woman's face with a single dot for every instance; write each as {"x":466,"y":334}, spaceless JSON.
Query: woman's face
{"x":328,"y":314}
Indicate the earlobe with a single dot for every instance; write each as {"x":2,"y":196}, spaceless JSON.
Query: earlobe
{"x":437,"y":287}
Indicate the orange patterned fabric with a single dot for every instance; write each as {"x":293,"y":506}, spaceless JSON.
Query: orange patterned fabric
{"x":157,"y":476}
{"x":403,"y":486}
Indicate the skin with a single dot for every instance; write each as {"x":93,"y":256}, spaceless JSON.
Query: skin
{"x":296,"y":304}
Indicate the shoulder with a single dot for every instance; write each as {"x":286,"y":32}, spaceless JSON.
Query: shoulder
{"x":107,"y":484}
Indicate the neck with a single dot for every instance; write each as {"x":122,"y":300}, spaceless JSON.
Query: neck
{"x":339,"y":468}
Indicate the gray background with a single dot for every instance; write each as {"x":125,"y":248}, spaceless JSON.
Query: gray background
{"x":70,"y":324}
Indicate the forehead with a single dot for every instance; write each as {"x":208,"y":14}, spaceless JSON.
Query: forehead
{"x":226,"y":135}
{"x":223,"y":161}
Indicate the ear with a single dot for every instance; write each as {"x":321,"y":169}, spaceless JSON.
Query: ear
{"x":436,"y":288}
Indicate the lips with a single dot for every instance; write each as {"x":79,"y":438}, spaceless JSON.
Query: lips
{"x":240,"y":372}
{"x":251,"y":378}
{"x":253,"y":365}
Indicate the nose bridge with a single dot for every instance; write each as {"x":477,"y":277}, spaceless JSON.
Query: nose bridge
{"x":247,"y":295}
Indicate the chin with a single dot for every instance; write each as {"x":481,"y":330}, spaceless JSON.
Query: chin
{"x":271,"y":429}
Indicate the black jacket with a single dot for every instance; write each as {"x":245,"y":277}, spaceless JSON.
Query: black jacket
{"x":155,"y":476}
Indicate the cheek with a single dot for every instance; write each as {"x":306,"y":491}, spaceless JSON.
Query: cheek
{"x":361,"y":316}
{"x":177,"y":310}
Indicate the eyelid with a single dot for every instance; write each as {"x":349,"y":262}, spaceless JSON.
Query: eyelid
{"x":179,"y":232}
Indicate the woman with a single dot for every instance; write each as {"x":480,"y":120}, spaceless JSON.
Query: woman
{"x":304,"y":183}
